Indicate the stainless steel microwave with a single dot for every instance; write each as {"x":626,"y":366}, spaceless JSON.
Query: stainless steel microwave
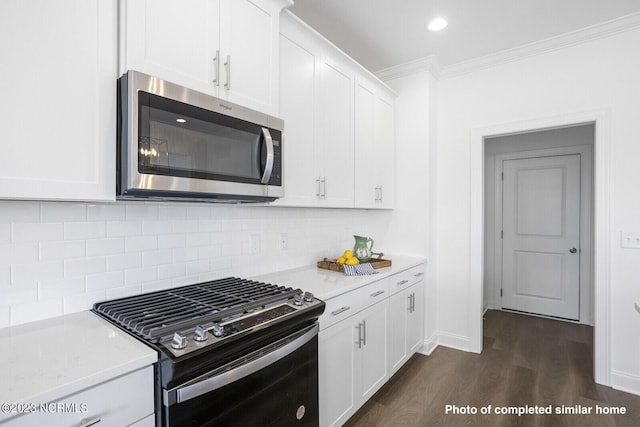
{"x":175,"y":143}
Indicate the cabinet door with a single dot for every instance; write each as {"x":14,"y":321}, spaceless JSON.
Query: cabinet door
{"x":173,"y":41}
{"x":384,"y":149}
{"x":58,"y":86}
{"x":406,"y":325}
{"x":299,"y":65}
{"x":415,"y":319}
{"x":372,"y":369}
{"x":335,"y":145}
{"x":336,"y":362}
{"x":365,"y":146}
{"x":374,"y":146}
{"x":249,"y":48}
{"x":399,"y":306}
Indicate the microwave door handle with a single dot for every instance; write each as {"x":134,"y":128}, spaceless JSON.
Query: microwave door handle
{"x":268,"y":167}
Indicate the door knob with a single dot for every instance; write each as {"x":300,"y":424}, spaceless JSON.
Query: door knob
{"x":573,"y":250}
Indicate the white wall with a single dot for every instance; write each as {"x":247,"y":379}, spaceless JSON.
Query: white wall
{"x":410,"y":226}
{"x":58,"y":258}
{"x":596,"y":75}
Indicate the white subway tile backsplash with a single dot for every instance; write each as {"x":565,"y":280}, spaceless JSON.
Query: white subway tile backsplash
{"x":84,"y":230}
{"x":5,"y":275}
{"x":171,"y":271}
{"x":11,"y":295}
{"x":22,"y":313}
{"x":36,"y":232}
{"x":140,"y":275}
{"x":185,"y":254}
{"x":79,"y":302}
{"x":84,"y":266}
{"x":141,"y":212}
{"x":172,"y":212}
{"x":140,"y":243}
{"x":113,"y":279}
{"x":5,"y":316}
{"x":5,"y":233}
{"x":159,"y":257}
{"x":50,"y":289}
{"x":11,"y":212}
{"x":31,"y":272}
{"x":124,"y":228}
{"x":63,"y":257}
{"x":62,"y":250}
{"x":106,"y":212}
{"x":60,"y":212}
{"x":124,"y":261}
{"x":105,"y":246}
{"x":171,"y":241}
{"x":18,"y":252}
{"x":123,"y":291}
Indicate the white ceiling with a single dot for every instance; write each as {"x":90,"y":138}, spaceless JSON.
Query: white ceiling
{"x":384,"y":33}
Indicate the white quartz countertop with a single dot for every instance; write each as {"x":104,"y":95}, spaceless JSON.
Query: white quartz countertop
{"x":44,"y":361}
{"x":327,"y":284}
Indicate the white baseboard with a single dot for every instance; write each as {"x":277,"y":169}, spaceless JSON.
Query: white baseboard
{"x":625,"y":382}
{"x":429,"y":345}
{"x":457,"y":342}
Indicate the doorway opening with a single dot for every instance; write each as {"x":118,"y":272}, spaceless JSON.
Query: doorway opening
{"x":538,"y":226}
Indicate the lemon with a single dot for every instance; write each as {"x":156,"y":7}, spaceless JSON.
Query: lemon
{"x":352,"y":261}
{"x":342,"y":260}
{"x":347,"y":254}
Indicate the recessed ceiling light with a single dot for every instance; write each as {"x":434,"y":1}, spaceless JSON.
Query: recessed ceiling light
{"x":181,"y":121}
{"x":437,"y":24}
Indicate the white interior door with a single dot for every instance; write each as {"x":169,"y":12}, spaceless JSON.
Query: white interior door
{"x":541,"y":235}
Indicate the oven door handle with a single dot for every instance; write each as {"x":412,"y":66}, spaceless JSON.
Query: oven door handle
{"x":208,"y":383}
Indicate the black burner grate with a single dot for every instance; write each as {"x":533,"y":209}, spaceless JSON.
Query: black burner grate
{"x":161,"y":313}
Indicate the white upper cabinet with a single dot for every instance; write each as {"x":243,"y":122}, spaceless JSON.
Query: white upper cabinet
{"x":334,"y":148}
{"x":316,"y":104}
{"x":226,"y":48}
{"x":374,"y":146}
{"x":58,"y":86}
{"x":339,"y":128}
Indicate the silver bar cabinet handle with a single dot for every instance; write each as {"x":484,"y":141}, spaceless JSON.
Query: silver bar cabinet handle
{"x":340,"y":310}
{"x":86,"y":422}
{"x":227,"y":65}
{"x":375,"y":294}
{"x":402,"y":282}
{"x":216,"y":62}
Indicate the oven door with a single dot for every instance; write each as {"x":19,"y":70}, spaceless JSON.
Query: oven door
{"x":274,"y":386}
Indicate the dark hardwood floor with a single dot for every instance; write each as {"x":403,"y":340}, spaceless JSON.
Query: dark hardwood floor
{"x":525,"y":361}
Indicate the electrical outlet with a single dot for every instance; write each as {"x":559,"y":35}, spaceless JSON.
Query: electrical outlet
{"x":255,"y":244}
{"x":630,"y":240}
{"x":284,"y":241}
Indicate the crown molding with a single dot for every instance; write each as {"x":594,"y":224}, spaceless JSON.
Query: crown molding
{"x":429,"y":64}
{"x":573,"y":38}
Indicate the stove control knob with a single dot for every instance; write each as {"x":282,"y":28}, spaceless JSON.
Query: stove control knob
{"x":179,"y":341}
{"x":308,"y":297}
{"x":218,"y":330}
{"x":297,"y":299}
{"x":201,"y":334}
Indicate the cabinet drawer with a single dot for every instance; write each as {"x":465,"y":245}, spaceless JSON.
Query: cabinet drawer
{"x":406,"y":278}
{"x":118,"y":402}
{"x":350,"y":303}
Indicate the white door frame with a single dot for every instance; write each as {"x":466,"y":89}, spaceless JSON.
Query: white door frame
{"x":586,"y":271}
{"x":602,"y":226}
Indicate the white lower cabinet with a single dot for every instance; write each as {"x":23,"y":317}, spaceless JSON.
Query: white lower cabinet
{"x":406,"y":321}
{"x":366,"y":335}
{"x":124,"y":401}
{"x":353,"y":362}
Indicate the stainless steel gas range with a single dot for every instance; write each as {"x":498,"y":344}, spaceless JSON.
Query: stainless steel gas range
{"x":231,"y":352}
